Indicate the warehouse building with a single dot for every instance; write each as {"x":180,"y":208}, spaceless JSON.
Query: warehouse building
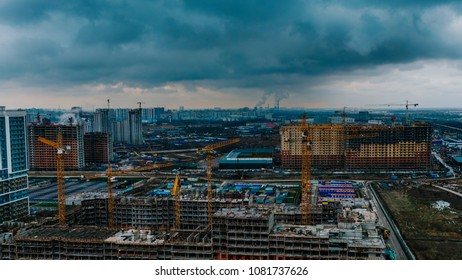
{"x":248,"y":159}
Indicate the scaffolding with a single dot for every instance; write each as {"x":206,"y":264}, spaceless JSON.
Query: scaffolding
{"x":360,"y":148}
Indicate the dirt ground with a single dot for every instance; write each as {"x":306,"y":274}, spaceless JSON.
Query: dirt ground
{"x":431,"y":233}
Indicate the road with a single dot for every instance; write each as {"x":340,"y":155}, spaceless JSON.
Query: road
{"x":437,"y":156}
{"x":393,"y":241}
{"x":448,"y":190}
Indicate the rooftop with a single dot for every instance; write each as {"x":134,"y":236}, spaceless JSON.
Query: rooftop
{"x":74,"y":233}
{"x":258,"y":155}
{"x":240,"y":213}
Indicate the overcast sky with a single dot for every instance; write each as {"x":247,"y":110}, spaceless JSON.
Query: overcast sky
{"x":230,"y":53}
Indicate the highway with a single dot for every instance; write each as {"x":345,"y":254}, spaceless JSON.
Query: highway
{"x":395,"y":240}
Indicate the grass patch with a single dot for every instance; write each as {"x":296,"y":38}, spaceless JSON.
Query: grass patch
{"x":431,"y":233}
{"x":46,"y":204}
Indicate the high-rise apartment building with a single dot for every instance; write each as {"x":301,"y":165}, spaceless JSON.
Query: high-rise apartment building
{"x":360,"y":148}
{"x":133,"y":128}
{"x":104,"y":121}
{"x":14,"y":196}
{"x":43,"y":157}
{"x":124,"y":125}
{"x":98,"y":147}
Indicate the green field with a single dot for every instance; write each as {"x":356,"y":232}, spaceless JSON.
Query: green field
{"x":430,"y":233}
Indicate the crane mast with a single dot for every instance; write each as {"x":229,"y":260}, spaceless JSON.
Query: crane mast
{"x":306,"y":174}
{"x":209,"y":150}
{"x":60,"y":151}
{"x":110,"y":199}
{"x":110,"y":189}
{"x":176,"y":195}
{"x":307,"y":142}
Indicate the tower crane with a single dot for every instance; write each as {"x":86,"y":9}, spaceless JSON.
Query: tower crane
{"x":306,"y":174}
{"x":139,"y":104}
{"x":60,"y":151}
{"x":110,"y":190}
{"x":406,"y":105}
{"x":209,"y":150}
{"x":307,"y":143}
{"x":176,"y":195}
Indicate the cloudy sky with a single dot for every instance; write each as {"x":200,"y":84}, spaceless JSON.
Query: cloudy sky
{"x":230,"y":53}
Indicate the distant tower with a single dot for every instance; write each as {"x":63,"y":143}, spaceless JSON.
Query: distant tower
{"x":133,"y":128}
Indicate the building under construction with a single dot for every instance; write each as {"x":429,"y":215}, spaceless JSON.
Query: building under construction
{"x":98,"y":147}
{"x":43,"y":156}
{"x":150,"y":212}
{"x":236,"y":233}
{"x":343,"y":227}
{"x":359,"y":148}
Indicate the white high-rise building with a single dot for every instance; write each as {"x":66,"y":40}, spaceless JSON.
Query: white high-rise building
{"x":14,"y":195}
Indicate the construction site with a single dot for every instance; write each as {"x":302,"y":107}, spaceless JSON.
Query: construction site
{"x":343,"y":227}
{"x":200,"y":218}
{"x":203,"y":208}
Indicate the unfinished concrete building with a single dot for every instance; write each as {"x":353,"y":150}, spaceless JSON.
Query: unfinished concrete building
{"x":236,"y":233}
{"x":98,"y":147}
{"x":158,"y":212}
{"x":360,"y":148}
{"x":43,"y":157}
{"x":343,"y":227}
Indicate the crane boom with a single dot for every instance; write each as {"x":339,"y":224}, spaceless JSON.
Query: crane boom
{"x":59,"y":175}
{"x":209,"y":149}
{"x":214,"y":146}
{"x":110,"y":190}
{"x":138,"y":169}
{"x":49,"y":142}
{"x":406,"y":105}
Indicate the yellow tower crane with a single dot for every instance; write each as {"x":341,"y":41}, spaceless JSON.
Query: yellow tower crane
{"x":307,"y":140}
{"x":406,"y":105}
{"x":306,"y":173}
{"x":60,"y":151}
{"x":176,"y":195}
{"x":110,"y":189}
{"x":209,"y":150}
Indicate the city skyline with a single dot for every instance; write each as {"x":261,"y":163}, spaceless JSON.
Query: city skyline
{"x":230,"y":54}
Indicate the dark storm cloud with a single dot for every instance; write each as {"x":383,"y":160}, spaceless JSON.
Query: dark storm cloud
{"x":240,"y":43}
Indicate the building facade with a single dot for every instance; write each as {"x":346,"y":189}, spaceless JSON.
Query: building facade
{"x":133,"y":128}
{"x":98,"y":147}
{"x":14,"y":197}
{"x":43,"y":157}
{"x":123,"y":125}
{"x":103,"y":121}
{"x":360,"y":148}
